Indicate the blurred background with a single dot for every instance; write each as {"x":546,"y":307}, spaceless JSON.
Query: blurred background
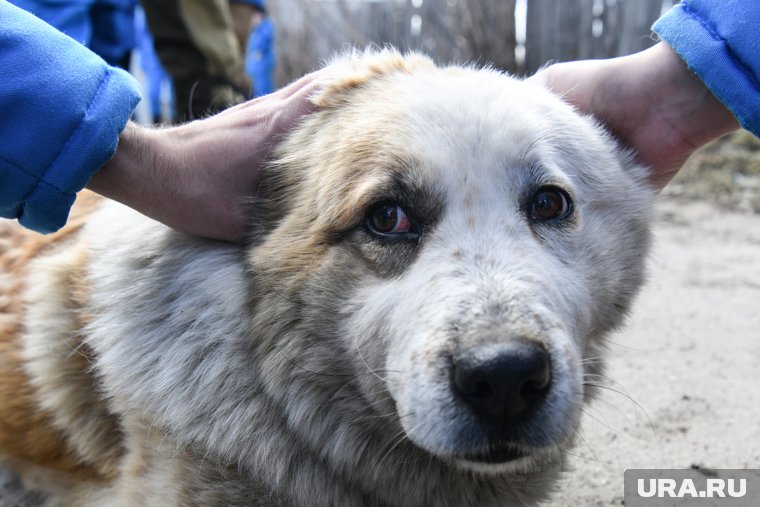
{"x":515,"y":35}
{"x":219,"y":52}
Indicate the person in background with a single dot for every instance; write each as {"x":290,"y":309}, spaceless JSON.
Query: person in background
{"x":260,"y":54}
{"x":197,"y":45}
{"x":241,"y":11}
{"x":104,"y":26}
{"x":157,"y":81}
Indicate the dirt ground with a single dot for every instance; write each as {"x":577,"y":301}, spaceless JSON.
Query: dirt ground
{"x":683,"y":387}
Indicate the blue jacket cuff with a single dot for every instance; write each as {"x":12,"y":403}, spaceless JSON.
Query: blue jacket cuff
{"x":698,"y":40}
{"x":46,"y":208}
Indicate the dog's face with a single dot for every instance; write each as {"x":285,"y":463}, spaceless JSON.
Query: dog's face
{"x":454,"y":243}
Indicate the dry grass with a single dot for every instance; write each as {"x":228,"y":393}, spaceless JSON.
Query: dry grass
{"x":726,"y":172}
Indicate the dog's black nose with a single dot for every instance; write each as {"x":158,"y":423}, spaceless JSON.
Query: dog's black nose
{"x":501,"y":383}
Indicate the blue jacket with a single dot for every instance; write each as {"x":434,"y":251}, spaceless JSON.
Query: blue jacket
{"x":719,"y":41}
{"x":62,"y":111}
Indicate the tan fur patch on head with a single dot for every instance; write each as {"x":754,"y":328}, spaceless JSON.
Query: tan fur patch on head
{"x":354,"y":71}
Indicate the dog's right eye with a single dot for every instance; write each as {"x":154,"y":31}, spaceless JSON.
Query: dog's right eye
{"x":389,"y":219}
{"x":550,"y":203}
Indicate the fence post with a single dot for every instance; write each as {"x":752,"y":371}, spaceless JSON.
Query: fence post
{"x":553,"y":32}
{"x":638,"y":18}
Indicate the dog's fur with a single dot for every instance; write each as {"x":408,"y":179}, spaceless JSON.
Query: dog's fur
{"x":141,"y":366}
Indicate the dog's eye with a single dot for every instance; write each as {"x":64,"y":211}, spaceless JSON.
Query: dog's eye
{"x":388,"y":218}
{"x":550,"y":203}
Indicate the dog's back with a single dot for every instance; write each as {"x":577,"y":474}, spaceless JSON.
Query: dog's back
{"x":34,"y":440}
{"x":435,"y":255}
{"x":60,"y":428}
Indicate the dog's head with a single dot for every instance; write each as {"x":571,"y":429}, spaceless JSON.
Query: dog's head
{"x":444,"y":248}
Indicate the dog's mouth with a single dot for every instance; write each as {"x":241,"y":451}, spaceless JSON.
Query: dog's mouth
{"x":494,"y":455}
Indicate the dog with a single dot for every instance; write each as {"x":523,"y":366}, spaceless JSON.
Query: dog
{"x":435,"y":256}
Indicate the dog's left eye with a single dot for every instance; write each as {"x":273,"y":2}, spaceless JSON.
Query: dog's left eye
{"x":550,"y":203}
{"x":388,"y":218}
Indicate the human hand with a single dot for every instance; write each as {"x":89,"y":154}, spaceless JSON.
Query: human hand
{"x":650,"y":101}
{"x":193,"y":177}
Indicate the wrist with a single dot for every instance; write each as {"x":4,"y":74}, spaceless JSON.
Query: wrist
{"x":145,"y":174}
{"x":650,"y":101}
{"x":678,"y":114}
{"x":123,"y":177}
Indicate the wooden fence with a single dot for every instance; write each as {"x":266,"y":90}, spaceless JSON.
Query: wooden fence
{"x":516,"y":35}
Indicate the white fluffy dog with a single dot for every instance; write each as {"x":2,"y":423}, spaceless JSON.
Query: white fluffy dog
{"x":435,"y":256}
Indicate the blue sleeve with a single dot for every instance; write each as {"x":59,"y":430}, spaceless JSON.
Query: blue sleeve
{"x":719,"y":41}
{"x":63,"y":109}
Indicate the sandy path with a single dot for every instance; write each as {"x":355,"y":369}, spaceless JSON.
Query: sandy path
{"x":689,"y":358}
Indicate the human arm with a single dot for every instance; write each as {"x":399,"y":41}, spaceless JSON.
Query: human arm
{"x":63,"y":109}
{"x":650,"y":101}
{"x":194,"y":177}
{"x":64,"y":112}
{"x":654,"y":103}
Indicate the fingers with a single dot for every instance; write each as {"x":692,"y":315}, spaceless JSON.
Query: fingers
{"x":309,"y":82}
{"x":298,"y":94}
